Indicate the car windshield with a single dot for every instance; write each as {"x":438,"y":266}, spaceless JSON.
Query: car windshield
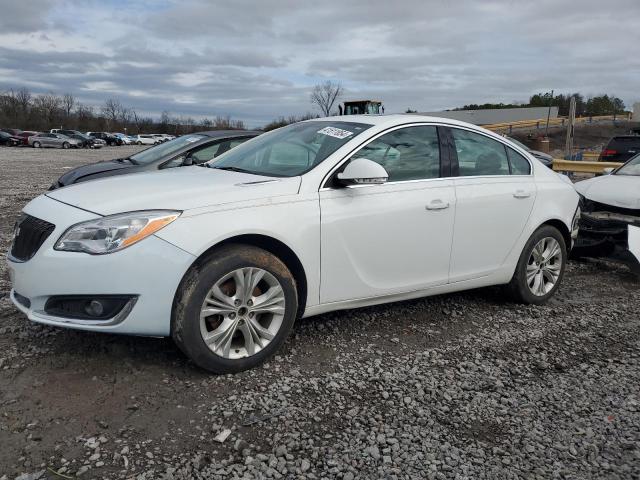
{"x":289,"y":151}
{"x":632,"y":167}
{"x":160,"y":151}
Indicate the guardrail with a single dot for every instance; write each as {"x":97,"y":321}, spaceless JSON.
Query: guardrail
{"x":553,"y":122}
{"x":560,"y":165}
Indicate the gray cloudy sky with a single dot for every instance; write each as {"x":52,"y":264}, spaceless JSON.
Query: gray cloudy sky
{"x":255,"y":60}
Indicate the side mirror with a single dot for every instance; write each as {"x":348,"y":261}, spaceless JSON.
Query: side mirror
{"x":188,"y":161}
{"x":608,"y":170}
{"x":363,"y":171}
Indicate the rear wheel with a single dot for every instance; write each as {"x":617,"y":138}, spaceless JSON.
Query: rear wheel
{"x":540,"y":268}
{"x":235,"y":310}
{"x":139,"y":142}
{"x":65,"y":145}
{"x":36,"y":144}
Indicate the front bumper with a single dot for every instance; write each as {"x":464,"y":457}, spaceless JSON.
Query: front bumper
{"x":150,"y":270}
{"x":609,"y":235}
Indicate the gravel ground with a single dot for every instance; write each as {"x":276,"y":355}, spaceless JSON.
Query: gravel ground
{"x":461,"y":386}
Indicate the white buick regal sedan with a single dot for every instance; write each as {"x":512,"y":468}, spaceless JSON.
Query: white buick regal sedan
{"x":322,"y":215}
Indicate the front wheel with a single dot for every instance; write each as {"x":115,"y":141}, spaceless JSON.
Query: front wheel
{"x":65,"y":145}
{"x":36,"y":144}
{"x":235,"y":310}
{"x":540,"y":268}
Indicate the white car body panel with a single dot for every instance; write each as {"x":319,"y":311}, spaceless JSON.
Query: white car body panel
{"x":183,"y":188}
{"x":378,"y":239}
{"x":491,"y":213}
{"x":358,"y":246}
{"x":617,"y":190}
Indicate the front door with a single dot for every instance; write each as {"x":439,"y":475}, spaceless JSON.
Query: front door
{"x":393,"y":238}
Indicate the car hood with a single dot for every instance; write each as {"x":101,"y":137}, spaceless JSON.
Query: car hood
{"x":616,"y":190}
{"x":173,"y":189}
{"x":73,"y":175}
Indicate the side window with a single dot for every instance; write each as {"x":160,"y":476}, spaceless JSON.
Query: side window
{"x":479,"y":155}
{"x":411,"y":153}
{"x":205,"y":154}
{"x":519,"y":164}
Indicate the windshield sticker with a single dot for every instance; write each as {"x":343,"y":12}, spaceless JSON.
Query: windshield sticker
{"x":335,"y":132}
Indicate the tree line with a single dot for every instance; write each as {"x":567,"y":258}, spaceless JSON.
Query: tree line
{"x":591,"y":106}
{"x":27,"y":111}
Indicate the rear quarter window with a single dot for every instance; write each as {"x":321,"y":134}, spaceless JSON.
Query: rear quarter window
{"x":519,"y":164}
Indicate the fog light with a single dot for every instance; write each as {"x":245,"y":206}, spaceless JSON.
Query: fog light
{"x":87,"y":307}
{"x":94,"y":308}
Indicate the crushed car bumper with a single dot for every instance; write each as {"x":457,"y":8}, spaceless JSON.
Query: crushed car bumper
{"x":611,"y":235}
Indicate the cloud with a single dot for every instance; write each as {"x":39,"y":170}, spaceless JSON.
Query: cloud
{"x":258,"y":60}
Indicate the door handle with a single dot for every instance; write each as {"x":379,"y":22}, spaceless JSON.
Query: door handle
{"x":437,"y":205}
{"x":521,"y":194}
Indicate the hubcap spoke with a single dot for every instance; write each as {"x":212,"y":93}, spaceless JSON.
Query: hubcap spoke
{"x":260,"y":331}
{"x":249,"y":341}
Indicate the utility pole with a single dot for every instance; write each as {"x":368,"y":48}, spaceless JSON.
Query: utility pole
{"x":546,"y":130}
{"x":568,"y":145}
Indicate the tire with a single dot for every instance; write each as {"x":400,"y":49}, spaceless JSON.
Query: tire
{"x":138,"y":142}
{"x":545,"y":276}
{"x":36,"y":144}
{"x":195,"y":293}
{"x":65,"y":145}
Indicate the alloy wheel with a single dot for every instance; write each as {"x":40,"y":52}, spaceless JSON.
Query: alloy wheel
{"x":242,"y":313}
{"x":544,"y":266}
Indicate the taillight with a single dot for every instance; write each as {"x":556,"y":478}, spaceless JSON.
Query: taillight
{"x":608,"y":153}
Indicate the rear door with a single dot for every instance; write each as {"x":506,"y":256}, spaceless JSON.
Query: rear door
{"x":495,"y":193}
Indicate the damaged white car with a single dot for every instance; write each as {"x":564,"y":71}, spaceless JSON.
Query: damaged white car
{"x":610,"y":222}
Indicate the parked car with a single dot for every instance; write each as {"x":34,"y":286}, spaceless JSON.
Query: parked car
{"x":64,"y":131}
{"x":145,"y":139}
{"x":620,"y":148}
{"x":109,"y":139}
{"x":126,"y":139}
{"x":321,"y":215}
{"x":87,"y":141}
{"x":24,"y":136}
{"x":610,"y":219}
{"x":183,"y":151}
{"x":8,"y":140}
{"x":56,"y":140}
{"x":11,"y":131}
{"x":545,"y":158}
{"x":160,"y":138}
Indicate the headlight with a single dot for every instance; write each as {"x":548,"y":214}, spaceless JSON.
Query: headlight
{"x":115,"y":232}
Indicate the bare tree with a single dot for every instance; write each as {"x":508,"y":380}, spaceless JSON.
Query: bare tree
{"x":324,"y":96}
{"x":68,"y":102}
{"x":48,"y":104}
{"x":23,"y":97}
{"x":111,"y":110}
{"x":136,"y":119}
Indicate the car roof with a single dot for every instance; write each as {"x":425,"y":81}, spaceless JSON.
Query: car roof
{"x":394,"y":119}
{"x":229,"y":133}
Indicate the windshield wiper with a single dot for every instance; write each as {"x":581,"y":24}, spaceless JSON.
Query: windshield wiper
{"x":235,"y":169}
